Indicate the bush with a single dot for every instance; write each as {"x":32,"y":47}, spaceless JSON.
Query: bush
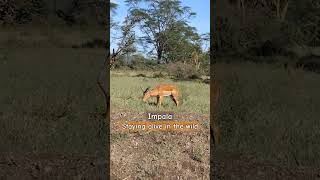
{"x":159,"y":75}
{"x":182,"y":70}
{"x":152,"y":65}
{"x":120,"y":63}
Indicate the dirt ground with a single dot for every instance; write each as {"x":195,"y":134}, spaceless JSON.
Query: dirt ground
{"x":243,"y":166}
{"x":50,"y":166}
{"x":153,"y":155}
{"x":159,"y":155}
{"x":55,"y":166}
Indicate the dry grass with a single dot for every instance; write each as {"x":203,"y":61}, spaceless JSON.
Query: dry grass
{"x":159,"y":155}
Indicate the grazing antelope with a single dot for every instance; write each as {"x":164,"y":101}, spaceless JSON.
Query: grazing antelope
{"x":214,"y":128}
{"x":160,"y":91}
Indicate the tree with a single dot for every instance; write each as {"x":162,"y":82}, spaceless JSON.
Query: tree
{"x":104,"y":75}
{"x":7,"y":11}
{"x":126,"y":40}
{"x":181,"y":42}
{"x":161,"y":20}
{"x":113,"y":8}
{"x":305,"y":19}
{"x":22,"y":11}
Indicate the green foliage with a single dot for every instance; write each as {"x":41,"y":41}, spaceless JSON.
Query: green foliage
{"x":179,"y":70}
{"x":305,"y":16}
{"x":24,"y":11}
{"x":205,"y":63}
{"x":137,"y":59}
{"x":183,"y":41}
{"x":137,"y":62}
{"x":113,"y":8}
{"x":182,"y":70}
{"x":80,"y":12}
{"x":164,"y":26}
{"x":120,"y":63}
{"x":297,"y":25}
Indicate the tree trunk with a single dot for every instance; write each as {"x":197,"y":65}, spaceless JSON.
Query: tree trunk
{"x":159,"y":53}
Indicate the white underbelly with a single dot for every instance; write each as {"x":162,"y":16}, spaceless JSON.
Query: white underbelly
{"x":167,"y":94}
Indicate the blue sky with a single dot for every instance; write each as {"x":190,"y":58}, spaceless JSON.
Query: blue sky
{"x":201,"y":21}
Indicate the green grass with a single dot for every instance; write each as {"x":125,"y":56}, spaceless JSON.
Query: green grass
{"x":49,"y":99}
{"x":126,"y":94}
{"x":266,"y":111}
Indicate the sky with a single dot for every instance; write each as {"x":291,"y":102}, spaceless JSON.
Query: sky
{"x":201,"y":21}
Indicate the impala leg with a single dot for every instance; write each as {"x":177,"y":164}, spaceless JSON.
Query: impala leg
{"x":175,"y":99}
{"x":160,"y":100}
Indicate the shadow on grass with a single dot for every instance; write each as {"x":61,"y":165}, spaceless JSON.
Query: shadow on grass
{"x":152,"y":103}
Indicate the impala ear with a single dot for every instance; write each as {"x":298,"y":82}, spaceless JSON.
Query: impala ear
{"x":146,"y":90}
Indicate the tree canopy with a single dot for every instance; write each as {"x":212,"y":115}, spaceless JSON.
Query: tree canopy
{"x":164,"y":25}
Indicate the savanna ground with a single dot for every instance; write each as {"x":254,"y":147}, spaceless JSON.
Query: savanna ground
{"x":158,"y":155}
{"x":268,"y":116}
{"x":51,"y":122}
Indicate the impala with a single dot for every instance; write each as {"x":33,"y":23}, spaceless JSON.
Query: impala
{"x":160,"y":91}
{"x":214,"y":97}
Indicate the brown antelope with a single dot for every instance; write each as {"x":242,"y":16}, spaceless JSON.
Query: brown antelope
{"x":160,"y":91}
{"x":214,"y":97}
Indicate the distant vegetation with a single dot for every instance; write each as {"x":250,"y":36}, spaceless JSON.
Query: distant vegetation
{"x":177,"y":70}
{"x":284,"y":32}
{"x":172,"y":44}
{"x":75,"y":12}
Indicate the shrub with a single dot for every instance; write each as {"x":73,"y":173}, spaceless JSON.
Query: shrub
{"x":159,"y":75}
{"x":182,"y":70}
{"x":120,"y":63}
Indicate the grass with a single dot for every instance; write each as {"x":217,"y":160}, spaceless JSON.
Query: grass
{"x":49,"y":100}
{"x":126,"y":94}
{"x":270,"y":112}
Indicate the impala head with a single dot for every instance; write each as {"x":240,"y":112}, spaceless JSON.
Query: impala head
{"x":146,"y":94}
